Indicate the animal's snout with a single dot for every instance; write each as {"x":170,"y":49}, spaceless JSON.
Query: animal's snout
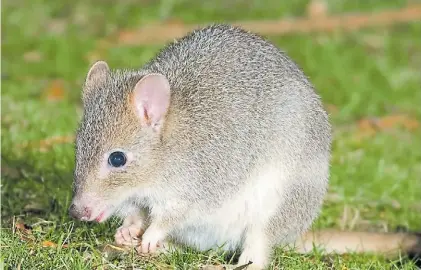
{"x":80,"y":212}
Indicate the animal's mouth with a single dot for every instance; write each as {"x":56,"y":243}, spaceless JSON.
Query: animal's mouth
{"x":90,"y":207}
{"x":100,"y":216}
{"x":103,"y":215}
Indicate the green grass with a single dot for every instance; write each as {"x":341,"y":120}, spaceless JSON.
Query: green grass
{"x":369,"y":73}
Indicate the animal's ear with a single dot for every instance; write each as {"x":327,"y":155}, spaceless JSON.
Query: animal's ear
{"x":151,"y":99}
{"x":98,"y":72}
{"x":95,"y":78}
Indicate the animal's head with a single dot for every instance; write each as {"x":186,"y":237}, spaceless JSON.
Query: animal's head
{"x":118,"y":140}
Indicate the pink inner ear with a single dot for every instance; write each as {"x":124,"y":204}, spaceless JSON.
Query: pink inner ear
{"x":152,"y":98}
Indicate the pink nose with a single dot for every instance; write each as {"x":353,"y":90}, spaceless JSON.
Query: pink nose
{"x":79,"y":212}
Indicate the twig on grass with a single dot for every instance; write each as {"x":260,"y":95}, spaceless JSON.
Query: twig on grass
{"x":159,"y":33}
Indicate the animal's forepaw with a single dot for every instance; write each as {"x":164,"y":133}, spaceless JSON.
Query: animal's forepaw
{"x":152,"y":242}
{"x":128,"y":235}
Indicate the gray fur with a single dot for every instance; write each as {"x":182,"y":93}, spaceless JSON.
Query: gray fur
{"x":237,"y":102}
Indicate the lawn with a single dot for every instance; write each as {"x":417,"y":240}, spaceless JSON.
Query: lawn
{"x":369,"y":80}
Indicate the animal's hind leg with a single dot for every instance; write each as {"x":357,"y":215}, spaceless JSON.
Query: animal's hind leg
{"x":256,"y":249}
{"x":255,"y":254}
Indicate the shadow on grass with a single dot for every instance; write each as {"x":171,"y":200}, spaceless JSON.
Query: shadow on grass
{"x":31,"y":192}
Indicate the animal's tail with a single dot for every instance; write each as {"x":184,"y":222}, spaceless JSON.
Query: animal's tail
{"x":390,"y":245}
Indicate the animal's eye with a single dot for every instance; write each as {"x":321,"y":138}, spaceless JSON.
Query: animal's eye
{"x":117,"y":159}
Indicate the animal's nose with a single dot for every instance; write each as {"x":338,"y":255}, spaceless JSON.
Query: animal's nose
{"x":81,"y":213}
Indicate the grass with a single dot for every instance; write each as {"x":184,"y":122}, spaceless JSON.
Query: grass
{"x":369,"y":73}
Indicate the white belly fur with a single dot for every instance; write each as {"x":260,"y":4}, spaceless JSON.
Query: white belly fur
{"x":257,"y":202}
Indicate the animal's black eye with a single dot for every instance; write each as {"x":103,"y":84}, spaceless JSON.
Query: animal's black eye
{"x":117,"y":159}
